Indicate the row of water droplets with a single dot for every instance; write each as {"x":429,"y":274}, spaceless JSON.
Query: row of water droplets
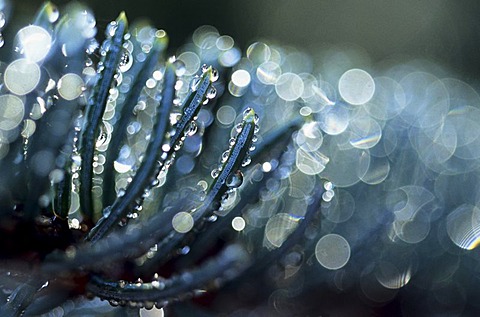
{"x":131,"y":152}
{"x":139,"y":130}
{"x":91,"y":73}
{"x":191,"y":130}
{"x":158,"y":283}
{"x":175,"y":143}
{"x":235,"y":178}
{"x":192,"y":126}
{"x":207,"y":39}
{"x":183,"y":222}
{"x":205,"y":46}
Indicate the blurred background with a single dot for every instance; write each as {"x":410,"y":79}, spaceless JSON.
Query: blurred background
{"x":446,"y":32}
{"x":387,"y":250}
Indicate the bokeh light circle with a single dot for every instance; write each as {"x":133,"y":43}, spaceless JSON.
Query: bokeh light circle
{"x":22,"y":76}
{"x":34,"y":42}
{"x":289,"y":86}
{"x":70,"y":86}
{"x":332,"y":251}
{"x":356,"y":86}
{"x":182,"y":222}
{"x":12,"y":111}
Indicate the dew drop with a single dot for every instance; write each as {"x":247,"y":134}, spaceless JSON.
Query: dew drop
{"x":106,"y":211}
{"x":328,"y":185}
{"x":234,"y":180}
{"x":2,"y":41}
{"x":212,"y":218}
{"x":146,"y":193}
{"x":91,"y":46}
{"x":180,"y":68}
{"x":174,"y":118}
{"x":225,"y":156}
{"x":132,"y":215}
{"x":76,"y":160}
{"x":328,"y":195}
{"x":155,"y":182}
{"x":214,"y":76}
{"x":53,"y":15}
{"x":185,"y":250}
{"x":126,"y":61}
{"x":246,"y":112}
{"x":246,"y":161}
{"x":100,"y":66}
{"x":111,"y":28}
{"x":104,"y":135}
{"x":178,"y":146}
{"x":220,"y":210}
{"x":192,"y":128}
{"x":88,"y":62}
{"x":211,"y":93}
{"x":194,"y":83}
{"x":215,"y":173}
{"x":121,"y":192}
{"x":3,"y":19}
{"x":104,"y":49}
{"x":239,"y":127}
